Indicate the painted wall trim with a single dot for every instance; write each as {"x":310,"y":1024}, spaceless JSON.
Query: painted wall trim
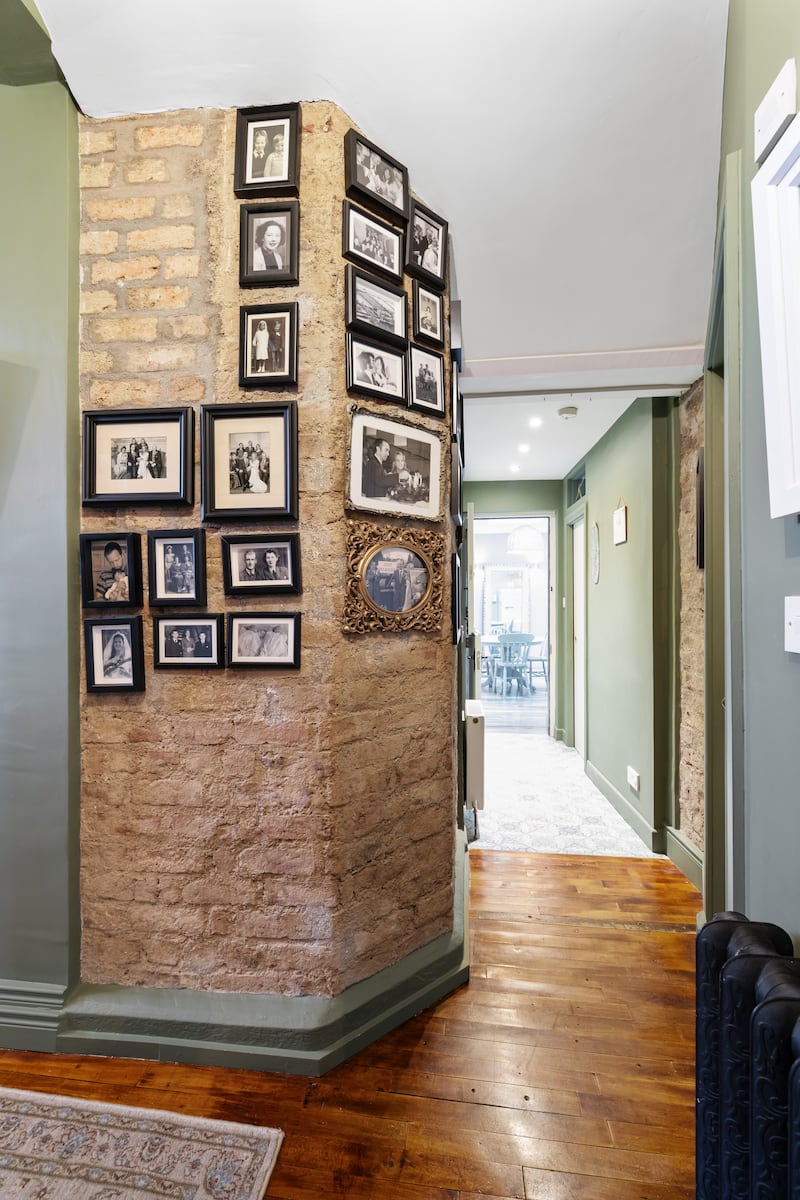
{"x":29,"y":1014}
{"x":687,"y":857}
{"x":652,"y":838}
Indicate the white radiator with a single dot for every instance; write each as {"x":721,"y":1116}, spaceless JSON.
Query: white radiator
{"x":473,"y":736}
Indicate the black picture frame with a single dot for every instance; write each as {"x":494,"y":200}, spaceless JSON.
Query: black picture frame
{"x":426,"y":382}
{"x":457,"y":411}
{"x":377,"y":370}
{"x":114,"y":655}
{"x":455,"y":597}
{"x":367,"y":241}
{"x":183,"y":643}
{"x":426,"y":245}
{"x":176,"y":567}
{"x":111,"y":570}
{"x":254,"y":490}
{"x":274,"y":569}
{"x":268,"y":336}
{"x":266,"y":260}
{"x":162,"y":465}
{"x":272,"y":176}
{"x":376,"y":308}
{"x":369,"y":486}
{"x":456,"y":487}
{"x":259,"y":640}
{"x":428,"y":314}
{"x":374,"y":177}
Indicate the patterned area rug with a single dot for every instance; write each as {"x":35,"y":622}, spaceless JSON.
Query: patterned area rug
{"x":58,"y":1148}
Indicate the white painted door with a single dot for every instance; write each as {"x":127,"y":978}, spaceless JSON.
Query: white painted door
{"x":579,"y":634}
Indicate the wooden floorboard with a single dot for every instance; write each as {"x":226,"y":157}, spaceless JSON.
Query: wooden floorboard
{"x":563,"y":1070}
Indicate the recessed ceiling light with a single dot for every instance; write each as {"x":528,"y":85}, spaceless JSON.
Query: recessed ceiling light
{"x":535,"y":422}
{"x":514,"y":467}
{"x":523,"y":447}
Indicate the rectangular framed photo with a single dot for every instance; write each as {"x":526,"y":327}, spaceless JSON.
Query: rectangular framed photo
{"x":455,"y":598}
{"x":111,"y":569}
{"x":394,"y":467}
{"x":375,"y":370}
{"x":186,"y":643}
{"x":456,"y":486}
{"x":249,"y":461}
{"x":457,"y":412}
{"x":260,"y":564}
{"x":366,"y":241}
{"x":267,"y":150}
{"x":176,"y":565}
{"x":428,"y":308}
{"x":269,"y":241}
{"x":267,"y":345}
{"x":138,"y":456}
{"x":263,"y":639}
{"x":426,"y":382}
{"x":374,"y":177}
{"x":426,"y":251}
{"x":376,"y":308}
{"x":114,"y":657}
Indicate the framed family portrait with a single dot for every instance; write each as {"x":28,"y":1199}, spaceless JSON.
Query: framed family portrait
{"x":426,"y":250}
{"x":114,"y":656}
{"x":428,"y":315}
{"x":374,"y":177}
{"x":426,"y":382}
{"x":185,"y":643}
{"x":269,"y":240}
{"x":376,"y":308}
{"x":260,"y":564}
{"x":394,"y":579}
{"x":267,"y":150}
{"x":267,"y":345}
{"x":111,"y":571}
{"x":366,"y":241}
{"x":376,"y":370}
{"x":394,"y":467}
{"x":138,"y":456}
{"x":176,"y":566}
{"x":249,"y":461}
{"x":263,"y":639}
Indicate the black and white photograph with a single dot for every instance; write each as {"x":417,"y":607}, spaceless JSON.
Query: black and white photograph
{"x":114,"y":658}
{"x":426,"y":382}
{"x":111,"y":569}
{"x":426,"y":251}
{"x":374,"y":177}
{"x":188,"y":642}
{"x":263,"y":639}
{"x":267,"y":150}
{"x":260,"y":564}
{"x":368,"y":242}
{"x":249,"y":461}
{"x":396,"y":579}
{"x":428,"y":320}
{"x":269,"y":239}
{"x":139,"y":459}
{"x":268,"y":345}
{"x":457,"y":412}
{"x":138,"y":456}
{"x":176,"y":566}
{"x":394,"y":467}
{"x":376,"y":370}
{"x":376,"y":308}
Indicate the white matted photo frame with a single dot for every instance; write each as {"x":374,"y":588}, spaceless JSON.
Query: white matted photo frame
{"x":176,"y":567}
{"x":260,"y":564}
{"x":249,"y":461}
{"x":369,"y":242}
{"x":263,"y":639}
{"x":374,"y":177}
{"x":376,"y":308}
{"x":111,"y":569}
{"x":267,"y":159}
{"x":267,"y":345}
{"x":188,"y":643}
{"x":428,"y":315}
{"x":138,"y":456}
{"x":393,"y":467}
{"x":376,"y":370}
{"x":426,"y":249}
{"x":426,"y":382}
{"x":269,"y":244}
{"x":114,"y":656}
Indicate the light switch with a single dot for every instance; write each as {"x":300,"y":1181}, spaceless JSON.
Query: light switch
{"x":791,"y":624}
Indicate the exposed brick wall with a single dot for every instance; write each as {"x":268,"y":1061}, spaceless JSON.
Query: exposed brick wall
{"x":287,"y":832}
{"x":691,"y":765}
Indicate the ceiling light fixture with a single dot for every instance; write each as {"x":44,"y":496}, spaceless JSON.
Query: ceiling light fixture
{"x":535,"y":422}
{"x":514,"y":467}
{"x":568,"y":412}
{"x":523,"y":448}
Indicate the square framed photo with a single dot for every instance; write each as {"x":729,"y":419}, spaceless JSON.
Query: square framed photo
{"x":249,"y":461}
{"x":263,"y":639}
{"x":426,"y":382}
{"x":267,"y":345}
{"x":111,"y":569}
{"x":376,"y":308}
{"x":186,"y":643}
{"x":114,"y":657}
{"x":138,"y":456}
{"x":269,"y":241}
{"x":376,"y":370}
{"x":428,"y":315}
{"x":394,"y":467}
{"x":426,"y":251}
{"x":267,"y":150}
{"x":368,"y":242}
{"x":176,"y":566}
{"x":260,"y":564}
{"x":374,"y":177}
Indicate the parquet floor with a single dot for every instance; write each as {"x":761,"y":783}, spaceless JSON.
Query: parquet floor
{"x":564,"y":1069}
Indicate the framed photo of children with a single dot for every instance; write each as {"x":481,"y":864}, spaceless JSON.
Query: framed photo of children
{"x":114,"y":658}
{"x":263,"y":639}
{"x":267,"y":150}
{"x":185,"y":643}
{"x":138,"y":456}
{"x":269,"y":240}
{"x":428,"y":321}
{"x":376,"y":308}
{"x":367,"y":242}
{"x":426,"y":383}
{"x":260,"y":564}
{"x":426,"y":251}
{"x":111,"y":572}
{"x":376,"y":370}
{"x":176,"y":566}
{"x":374,"y":177}
{"x":249,"y":461}
{"x":267,"y":345}
{"x":394,"y":468}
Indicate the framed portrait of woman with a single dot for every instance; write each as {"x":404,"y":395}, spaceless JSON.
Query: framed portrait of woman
{"x":269,"y":240}
{"x":114,"y":657}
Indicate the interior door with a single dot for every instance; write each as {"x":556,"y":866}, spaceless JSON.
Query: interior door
{"x":579,"y":635}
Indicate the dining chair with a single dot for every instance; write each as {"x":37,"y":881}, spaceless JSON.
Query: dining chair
{"x":512,"y":662}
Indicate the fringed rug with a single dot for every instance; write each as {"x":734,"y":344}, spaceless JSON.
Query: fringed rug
{"x":59,"y":1148}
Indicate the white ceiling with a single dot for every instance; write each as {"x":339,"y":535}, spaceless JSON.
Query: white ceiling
{"x":573,"y":145}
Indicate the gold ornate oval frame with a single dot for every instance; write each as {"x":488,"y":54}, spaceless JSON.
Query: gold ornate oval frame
{"x":366,"y":545}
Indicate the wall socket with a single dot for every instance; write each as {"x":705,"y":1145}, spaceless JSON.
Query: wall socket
{"x":633,"y":779}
